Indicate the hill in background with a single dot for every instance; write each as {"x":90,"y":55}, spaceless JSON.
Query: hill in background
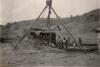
{"x":83,"y":26}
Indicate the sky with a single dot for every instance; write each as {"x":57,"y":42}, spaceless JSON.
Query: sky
{"x":17,"y":10}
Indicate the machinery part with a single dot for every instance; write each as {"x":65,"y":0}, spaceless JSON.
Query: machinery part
{"x":49,"y":3}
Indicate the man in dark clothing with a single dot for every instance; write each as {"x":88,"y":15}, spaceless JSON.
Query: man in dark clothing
{"x":64,"y":42}
{"x":80,"y":42}
{"x":68,"y":41}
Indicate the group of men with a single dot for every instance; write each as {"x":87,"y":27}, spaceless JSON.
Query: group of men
{"x":66,"y":42}
{"x":62,"y":43}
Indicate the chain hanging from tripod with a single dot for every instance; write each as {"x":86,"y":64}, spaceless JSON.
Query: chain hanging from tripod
{"x":49,"y":4}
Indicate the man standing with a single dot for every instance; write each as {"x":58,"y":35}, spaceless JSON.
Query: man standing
{"x":65,"y":43}
{"x":68,"y":41}
{"x":80,"y":42}
{"x":98,"y":41}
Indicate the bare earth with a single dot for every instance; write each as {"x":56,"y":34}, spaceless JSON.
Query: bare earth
{"x":47,"y":56}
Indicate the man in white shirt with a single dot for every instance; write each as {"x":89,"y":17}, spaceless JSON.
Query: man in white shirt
{"x":64,"y":43}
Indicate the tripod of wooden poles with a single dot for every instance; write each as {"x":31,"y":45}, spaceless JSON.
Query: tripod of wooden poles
{"x":50,"y":9}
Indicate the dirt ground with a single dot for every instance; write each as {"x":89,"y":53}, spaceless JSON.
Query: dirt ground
{"x":46,"y":57}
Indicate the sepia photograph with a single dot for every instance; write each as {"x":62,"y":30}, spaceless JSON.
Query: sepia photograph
{"x":49,"y":33}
